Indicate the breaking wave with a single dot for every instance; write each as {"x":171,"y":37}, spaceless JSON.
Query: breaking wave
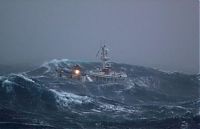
{"x":150,"y":99}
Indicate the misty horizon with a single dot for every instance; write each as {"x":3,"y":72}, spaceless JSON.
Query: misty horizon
{"x":156,"y":34}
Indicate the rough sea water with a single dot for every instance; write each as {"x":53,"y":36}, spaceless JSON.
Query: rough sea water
{"x":149,"y":99}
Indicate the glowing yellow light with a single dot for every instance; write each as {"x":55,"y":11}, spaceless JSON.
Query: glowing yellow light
{"x":77,"y":72}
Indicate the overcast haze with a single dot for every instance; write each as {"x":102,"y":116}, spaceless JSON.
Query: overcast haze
{"x":153,"y":33}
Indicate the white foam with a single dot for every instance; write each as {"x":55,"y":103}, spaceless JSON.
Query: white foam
{"x":65,"y":98}
{"x":130,"y":85}
{"x":142,"y":81}
{"x":8,"y":85}
{"x":26,"y":78}
{"x":95,"y":110}
{"x":54,"y":62}
{"x":7,"y":82}
{"x":89,"y":78}
{"x":116,"y":108}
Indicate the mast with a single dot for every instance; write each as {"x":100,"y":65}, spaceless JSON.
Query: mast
{"x":104,"y":56}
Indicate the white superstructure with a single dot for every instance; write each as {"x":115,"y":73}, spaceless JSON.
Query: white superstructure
{"x":105,"y":73}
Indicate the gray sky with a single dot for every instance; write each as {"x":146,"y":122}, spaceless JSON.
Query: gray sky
{"x":153,"y":33}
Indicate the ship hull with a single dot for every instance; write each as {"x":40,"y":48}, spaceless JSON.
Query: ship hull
{"x":107,"y":78}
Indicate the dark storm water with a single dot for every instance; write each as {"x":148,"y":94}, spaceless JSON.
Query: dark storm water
{"x":149,"y":99}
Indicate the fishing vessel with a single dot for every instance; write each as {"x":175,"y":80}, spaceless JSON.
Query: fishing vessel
{"x":105,"y":73}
